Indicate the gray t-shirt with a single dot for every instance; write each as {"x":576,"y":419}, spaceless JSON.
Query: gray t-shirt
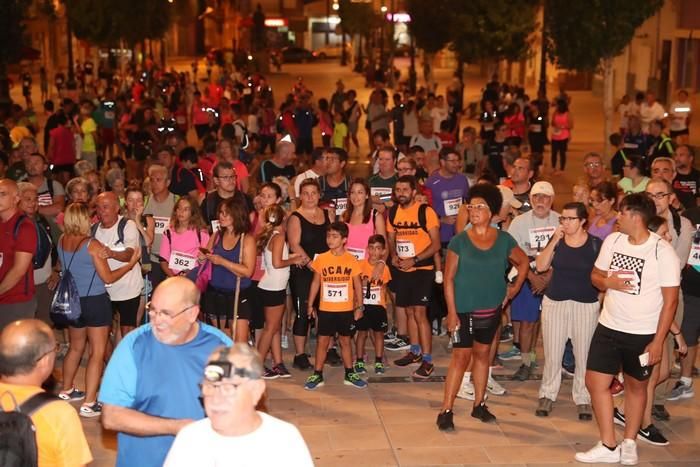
{"x":161,"y":212}
{"x":533,"y":233}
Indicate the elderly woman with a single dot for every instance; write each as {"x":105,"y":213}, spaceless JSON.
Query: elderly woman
{"x":116,"y":183}
{"x":476,"y":292}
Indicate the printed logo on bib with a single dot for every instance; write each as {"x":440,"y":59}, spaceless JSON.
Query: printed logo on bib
{"x":384,"y":194}
{"x":540,"y":236}
{"x":358,"y":253}
{"x":452,"y":206}
{"x":375,"y":296}
{"x":631,"y":269}
{"x":405,"y":249}
{"x":694,"y":257}
{"x":161,"y":223}
{"x":181,"y":262}
{"x":341,"y":204}
{"x":335,"y":293}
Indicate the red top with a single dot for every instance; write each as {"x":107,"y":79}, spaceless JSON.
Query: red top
{"x":25,"y":241}
{"x":63,"y":146}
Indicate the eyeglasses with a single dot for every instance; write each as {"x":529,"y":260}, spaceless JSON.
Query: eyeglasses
{"x":225,"y":389}
{"x":658,"y":196}
{"x":55,"y":348}
{"x":477,"y":207}
{"x":563,"y":219}
{"x":591,"y":165}
{"x":167,"y":315}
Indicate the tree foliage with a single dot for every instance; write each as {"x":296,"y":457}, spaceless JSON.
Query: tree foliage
{"x":356,"y":18}
{"x":105,"y":22}
{"x":430,"y":23}
{"x":12,"y":14}
{"x":581,"y":34}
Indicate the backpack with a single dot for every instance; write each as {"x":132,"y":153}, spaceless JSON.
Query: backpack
{"x":44,"y":246}
{"x":18,"y":446}
{"x":65,"y":305}
{"x":120,"y":229}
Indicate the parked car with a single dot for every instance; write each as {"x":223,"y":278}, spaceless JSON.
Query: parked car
{"x":295,"y":54}
{"x":331,"y":51}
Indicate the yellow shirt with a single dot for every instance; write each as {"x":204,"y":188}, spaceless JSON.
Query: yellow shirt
{"x":88,"y":127}
{"x":337,"y":291}
{"x":59,"y":435}
{"x":340,"y":132}
{"x":377,"y":289}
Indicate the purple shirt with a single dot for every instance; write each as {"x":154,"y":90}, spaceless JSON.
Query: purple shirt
{"x":602,"y":231}
{"x":448,"y":196}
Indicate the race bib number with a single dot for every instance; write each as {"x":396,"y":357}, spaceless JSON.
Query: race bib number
{"x":693,"y":258}
{"x":384,"y":194}
{"x":109,"y":115}
{"x":181,"y":262}
{"x":535,"y":128}
{"x":488,"y":126}
{"x":336,"y":293}
{"x":405,"y":249}
{"x":452,"y":206}
{"x":358,"y":253}
{"x":161,"y":223}
{"x":215,"y":226}
{"x":341,"y":204}
{"x":540,"y":236}
{"x":181,"y":120}
{"x":247,"y":91}
{"x":374,"y":297}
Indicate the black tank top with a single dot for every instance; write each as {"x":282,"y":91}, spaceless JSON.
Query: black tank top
{"x":313,"y":236}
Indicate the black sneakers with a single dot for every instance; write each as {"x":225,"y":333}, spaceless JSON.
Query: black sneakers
{"x":444,"y":421}
{"x":301,"y":362}
{"x":618,"y":417}
{"x":408,"y":359}
{"x":652,"y":435}
{"x":481,"y":412}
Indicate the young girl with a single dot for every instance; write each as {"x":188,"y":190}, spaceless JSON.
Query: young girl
{"x":181,"y":241}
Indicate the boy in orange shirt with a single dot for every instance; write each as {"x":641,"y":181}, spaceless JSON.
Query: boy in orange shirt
{"x":337,"y":276}
{"x":374,"y":300}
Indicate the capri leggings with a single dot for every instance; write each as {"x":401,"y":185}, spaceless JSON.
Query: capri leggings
{"x":300,"y":283}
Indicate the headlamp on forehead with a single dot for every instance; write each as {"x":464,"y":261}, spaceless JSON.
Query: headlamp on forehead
{"x":218,"y":370}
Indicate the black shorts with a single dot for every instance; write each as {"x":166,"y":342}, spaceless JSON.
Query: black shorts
{"x":95,"y":312}
{"x":273,"y":297}
{"x":414,"y":288}
{"x":219,"y":303}
{"x":255,"y":303}
{"x":331,"y":323}
{"x":611,"y":350}
{"x":690,"y":328}
{"x":374,"y":318}
{"x":673,"y":133}
{"x":472,"y":329}
{"x":127,"y":309}
{"x":304,"y":145}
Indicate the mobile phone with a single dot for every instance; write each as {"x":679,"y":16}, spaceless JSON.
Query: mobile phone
{"x":644,"y":359}
{"x":204,"y":250}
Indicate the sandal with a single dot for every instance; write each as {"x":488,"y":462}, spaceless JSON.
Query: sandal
{"x":72,"y":395}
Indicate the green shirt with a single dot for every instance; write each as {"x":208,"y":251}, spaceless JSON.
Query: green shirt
{"x":376,"y":181}
{"x":480,"y":281}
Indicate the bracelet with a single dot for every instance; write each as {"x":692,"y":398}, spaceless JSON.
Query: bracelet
{"x":675,"y":333}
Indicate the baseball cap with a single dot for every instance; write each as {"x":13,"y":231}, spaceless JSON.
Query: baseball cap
{"x":509,"y":198}
{"x":542,"y":188}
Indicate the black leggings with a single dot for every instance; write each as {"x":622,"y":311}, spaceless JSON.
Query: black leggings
{"x":300,"y":283}
{"x":559,"y":146}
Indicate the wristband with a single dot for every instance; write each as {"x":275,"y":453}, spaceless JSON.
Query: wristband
{"x":675,"y":333}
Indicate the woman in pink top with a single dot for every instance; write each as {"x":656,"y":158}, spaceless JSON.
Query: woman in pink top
{"x":515,"y":120}
{"x":562,"y":124}
{"x":187,"y":233}
{"x":362,"y":220}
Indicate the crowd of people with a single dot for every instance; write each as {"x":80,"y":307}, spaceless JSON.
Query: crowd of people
{"x":257,"y":234}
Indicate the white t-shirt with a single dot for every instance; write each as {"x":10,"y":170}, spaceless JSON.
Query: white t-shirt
{"x":274,"y":443}
{"x":428,"y":144}
{"x":679,"y":112}
{"x":131,"y":283}
{"x":650,"y":266}
{"x":649,"y":113}
{"x":300,"y":178}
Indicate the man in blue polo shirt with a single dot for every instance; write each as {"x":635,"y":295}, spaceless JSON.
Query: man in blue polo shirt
{"x":150,"y":388}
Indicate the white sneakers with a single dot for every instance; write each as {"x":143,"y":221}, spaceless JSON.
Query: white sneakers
{"x":625,"y":453}
{"x":466,"y":391}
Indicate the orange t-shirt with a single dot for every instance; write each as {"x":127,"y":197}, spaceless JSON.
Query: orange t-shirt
{"x":377,"y":289}
{"x":337,"y":290}
{"x":411,"y":239}
{"x":59,"y":435}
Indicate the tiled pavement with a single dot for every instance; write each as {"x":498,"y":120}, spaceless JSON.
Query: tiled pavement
{"x":393,"y":423}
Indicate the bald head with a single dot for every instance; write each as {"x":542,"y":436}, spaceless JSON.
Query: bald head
{"x":285,"y":152}
{"x":107,"y":205}
{"x":22,"y":344}
{"x":9,"y":198}
{"x":180,"y":289}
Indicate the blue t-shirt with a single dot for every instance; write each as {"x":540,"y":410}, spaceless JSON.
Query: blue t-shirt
{"x":448,"y":196}
{"x":157,"y":379}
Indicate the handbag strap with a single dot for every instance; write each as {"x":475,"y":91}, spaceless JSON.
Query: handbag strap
{"x":80,"y":245}
{"x":238,"y":290}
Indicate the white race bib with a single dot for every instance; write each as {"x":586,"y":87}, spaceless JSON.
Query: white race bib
{"x":539,"y":237}
{"x":335,"y":293}
{"x":161,"y":224}
{"x":375,"y":296}
{"x":693,"y":258}
{"x":535,"y":128}
{"x":384,"y":194}
{"x":405,"y":249}
{"x":452,"y":206}
{"x":488,"y":126}
{"x":215,"y":226}
{"x":358,"y":253}
{"x":341,"y":204}
{"x":181,"y":262}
